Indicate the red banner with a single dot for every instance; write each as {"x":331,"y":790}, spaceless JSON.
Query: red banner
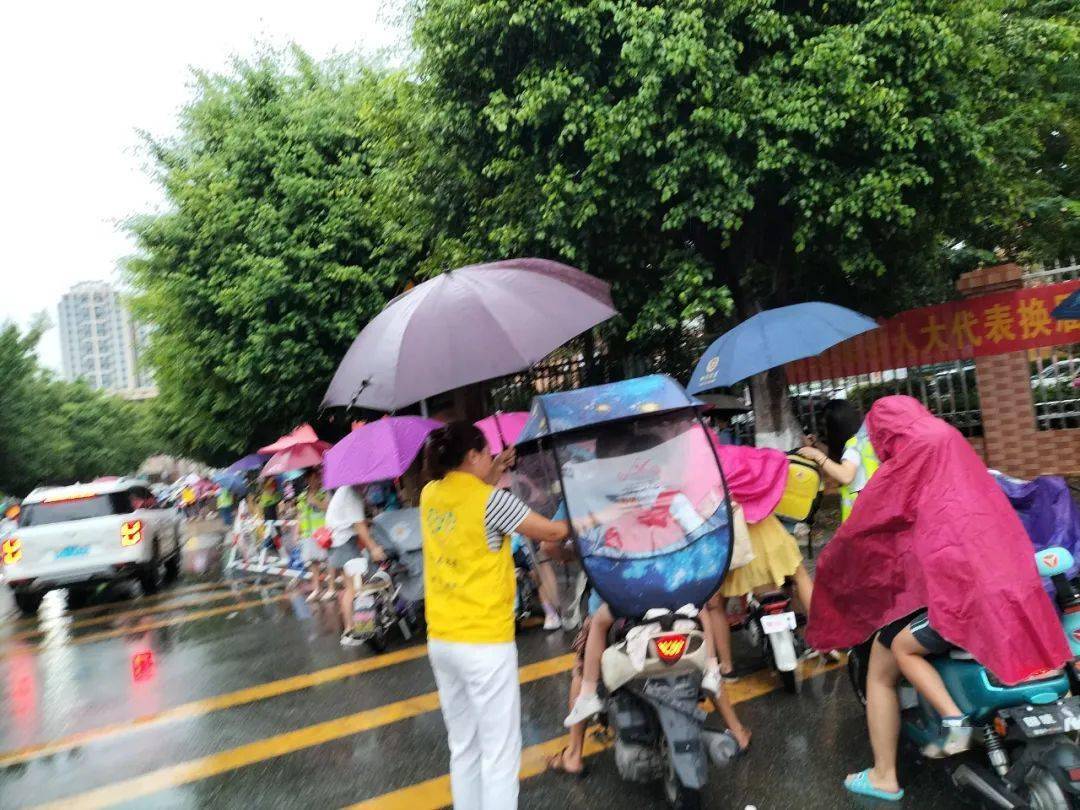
{"x":998,"y":323}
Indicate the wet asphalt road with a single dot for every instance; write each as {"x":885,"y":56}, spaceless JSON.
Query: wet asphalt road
{"x":233,"y":692}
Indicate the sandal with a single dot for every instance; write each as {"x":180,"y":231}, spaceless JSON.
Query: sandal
{"x":557,"y":764}
{"x":859,"y":784}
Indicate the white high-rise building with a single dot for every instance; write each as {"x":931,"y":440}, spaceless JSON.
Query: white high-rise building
{"x":100,"y":342}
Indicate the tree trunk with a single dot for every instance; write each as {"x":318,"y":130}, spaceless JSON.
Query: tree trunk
{"x":775,"y":424}
{"x":760,"y":242}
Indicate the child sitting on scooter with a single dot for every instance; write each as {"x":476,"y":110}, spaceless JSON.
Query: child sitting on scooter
{"x":643,"y":502}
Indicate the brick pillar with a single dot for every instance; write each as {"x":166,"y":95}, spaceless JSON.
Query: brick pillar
{"x":1011,"y":441}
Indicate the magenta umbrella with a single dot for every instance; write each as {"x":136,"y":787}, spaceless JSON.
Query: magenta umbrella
{"x":502,"y":429}
{"x":296,"y":457}
{"x":377,"y":451}
{"x":466,"y":326}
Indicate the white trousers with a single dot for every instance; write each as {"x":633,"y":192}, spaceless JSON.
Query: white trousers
{"x":481,"y":705}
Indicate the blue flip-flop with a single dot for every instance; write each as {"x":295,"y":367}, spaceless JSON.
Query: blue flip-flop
{"x":860,"y":785}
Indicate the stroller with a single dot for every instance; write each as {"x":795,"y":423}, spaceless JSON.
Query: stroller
{"x":391,"y":594}
{"x":653,"y":528}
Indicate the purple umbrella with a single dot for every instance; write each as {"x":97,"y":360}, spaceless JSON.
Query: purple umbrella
{"x":378,"y":451}
{"x":255,"y":461}
{"x":465,"y":326}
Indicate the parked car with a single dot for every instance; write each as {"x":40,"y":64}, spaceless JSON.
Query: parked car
{"x":1062,"y":373}
{"x":85,"y":534}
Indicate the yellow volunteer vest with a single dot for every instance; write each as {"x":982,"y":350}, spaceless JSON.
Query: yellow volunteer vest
{"x":468,"y":588}
{"x":311,"y":518}
{"x":869,"y":463}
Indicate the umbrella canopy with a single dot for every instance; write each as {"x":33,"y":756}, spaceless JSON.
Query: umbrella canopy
{"x":775,"y":337}
{"x":1069,"y":309}
{"x":378,"y":451}
{"x":232,"y":481}
{"x":304,"y":434}
{"x":467,"y":325}
{"x":249,"y":463}
{"x":295,"y":458}
{"x":502,"y":429}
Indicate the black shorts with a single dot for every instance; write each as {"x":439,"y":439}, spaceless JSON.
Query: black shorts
{"x":919,"y":624}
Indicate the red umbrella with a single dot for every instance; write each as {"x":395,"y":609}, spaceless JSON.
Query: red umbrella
{"x":304,"y":434}
{"x":296,"y":457}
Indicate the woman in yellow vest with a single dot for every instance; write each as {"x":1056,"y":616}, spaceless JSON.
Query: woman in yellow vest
{"x":851,"y":459}
{"x":469,"y":603}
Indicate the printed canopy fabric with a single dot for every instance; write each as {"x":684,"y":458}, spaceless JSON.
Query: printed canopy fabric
{"x":569,"y":410}
{"x":647,"y":503}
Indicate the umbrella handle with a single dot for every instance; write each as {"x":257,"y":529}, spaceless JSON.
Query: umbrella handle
{"x":498,"y":430}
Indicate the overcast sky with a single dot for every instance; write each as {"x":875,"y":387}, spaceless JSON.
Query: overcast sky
{"x":79,"y":80}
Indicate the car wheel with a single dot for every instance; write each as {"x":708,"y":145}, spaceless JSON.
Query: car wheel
{"x":150,"y":576}
{"x":28,"y":602}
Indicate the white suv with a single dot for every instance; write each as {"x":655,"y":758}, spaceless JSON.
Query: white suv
{"x":90,"y":533}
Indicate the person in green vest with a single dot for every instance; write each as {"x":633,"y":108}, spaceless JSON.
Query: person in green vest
{"x":225,"y":506}
{"x":311,"y":506}
{"x":851,"y":460}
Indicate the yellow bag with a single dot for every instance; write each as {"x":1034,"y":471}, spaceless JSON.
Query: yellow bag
{"x":803,"y":488}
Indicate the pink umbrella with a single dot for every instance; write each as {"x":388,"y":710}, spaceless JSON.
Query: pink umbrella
{"x":304,"y":434}
{"x":502,"y":429}
{"x":296,"y":457}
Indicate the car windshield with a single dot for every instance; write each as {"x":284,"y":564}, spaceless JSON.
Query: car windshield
{"x":62,"y":511}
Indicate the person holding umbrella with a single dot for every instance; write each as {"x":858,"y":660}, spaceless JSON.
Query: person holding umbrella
{"x":469,"y":588}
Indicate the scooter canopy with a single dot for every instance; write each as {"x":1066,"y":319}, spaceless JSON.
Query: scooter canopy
{"x":642,"y":487}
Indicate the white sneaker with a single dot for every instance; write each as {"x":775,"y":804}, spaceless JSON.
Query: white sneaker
{"x":553,"y":622}
{"x":584,"y":708}
{"x":711,"y":682}
{"x":349,"y":640}
{"x":958,"y":738}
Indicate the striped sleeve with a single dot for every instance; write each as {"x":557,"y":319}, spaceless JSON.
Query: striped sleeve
{"x":502,"y":516}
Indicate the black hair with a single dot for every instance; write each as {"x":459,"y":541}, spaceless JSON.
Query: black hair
{"x":447,"y":447}
{"x":842,"y":421}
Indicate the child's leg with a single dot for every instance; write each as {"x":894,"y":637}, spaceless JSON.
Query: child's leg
{"x":721,"y":632}
{"x":548,"y":587}
{"x":588,"y":702}
{"x":911,"y":658}
{"x":804,"y":587}
{"x":594,"y":648}
{"x":711,"y":682}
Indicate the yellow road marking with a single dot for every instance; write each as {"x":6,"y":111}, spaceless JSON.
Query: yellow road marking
{"x":435,"y":793}
{"x":143,"y":626}
{"x":198,"y":708}
{"x":128,"y":614}
{"x":279,"y":745}
{"x":142,"y":600}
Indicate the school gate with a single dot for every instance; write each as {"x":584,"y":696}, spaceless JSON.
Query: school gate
{"x":993,"y":363}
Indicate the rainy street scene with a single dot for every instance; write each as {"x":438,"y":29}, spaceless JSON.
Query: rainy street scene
{"x":417,"y":404}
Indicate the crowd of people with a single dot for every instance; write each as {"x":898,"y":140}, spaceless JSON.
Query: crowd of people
{"x":475,"y":532}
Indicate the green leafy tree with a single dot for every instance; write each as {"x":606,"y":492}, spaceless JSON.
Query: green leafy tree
{"x":783,"y":150}
{"x":275,"y":250}
{"x":55,"y":432}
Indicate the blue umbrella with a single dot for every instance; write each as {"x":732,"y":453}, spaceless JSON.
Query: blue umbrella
{"x":775,"y":337}
{"x":1069,"y":309}
{"x":255,"y":461}
{"x":232,"y":481}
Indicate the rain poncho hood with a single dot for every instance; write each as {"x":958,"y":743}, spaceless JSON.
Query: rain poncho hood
{"x":932,"y":529}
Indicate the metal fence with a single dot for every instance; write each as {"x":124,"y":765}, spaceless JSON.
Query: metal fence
{"x":1055,"y":372}
{"x":948,"y":390}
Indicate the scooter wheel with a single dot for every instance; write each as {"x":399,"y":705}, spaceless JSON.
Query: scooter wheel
{"x":377,"y":643}
{"x":790,"y":682}
{"x":679,"y":796}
